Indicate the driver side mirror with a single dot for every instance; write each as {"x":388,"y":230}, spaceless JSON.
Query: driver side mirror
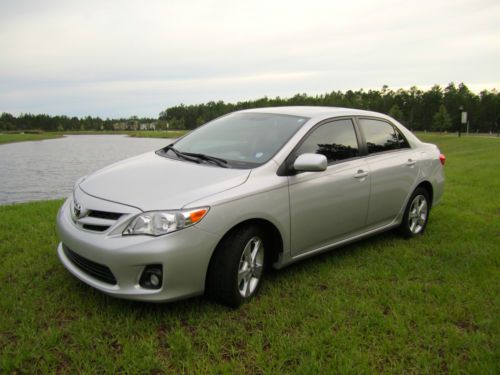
{"x":310,"y":163}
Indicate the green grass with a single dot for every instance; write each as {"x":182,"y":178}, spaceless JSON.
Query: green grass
{"x":427,"y":305}
{"x":133,"y":133}
{"x":19,"y":137}
{"x":158,"y":134}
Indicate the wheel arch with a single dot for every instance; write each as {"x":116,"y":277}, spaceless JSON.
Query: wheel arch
{"x":274,"y":236}
{"x":428,"y":187}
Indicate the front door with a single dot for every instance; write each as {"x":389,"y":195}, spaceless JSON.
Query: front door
{"x":326,"y":206}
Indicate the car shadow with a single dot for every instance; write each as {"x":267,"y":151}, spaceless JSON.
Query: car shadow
{"x":336,"y":254}
{"x":203,"y":304}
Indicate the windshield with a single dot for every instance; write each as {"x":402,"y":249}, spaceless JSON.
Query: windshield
{"x":243,"y":140}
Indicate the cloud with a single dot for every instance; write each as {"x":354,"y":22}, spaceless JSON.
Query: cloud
{"x":117,"y":58}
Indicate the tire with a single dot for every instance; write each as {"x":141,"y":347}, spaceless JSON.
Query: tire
{"x":416,"y":214}
{"x":236,"y":269}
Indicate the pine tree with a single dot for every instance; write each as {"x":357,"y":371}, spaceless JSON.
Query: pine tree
{"x":441,"y":120}
{"x":396,"y":113}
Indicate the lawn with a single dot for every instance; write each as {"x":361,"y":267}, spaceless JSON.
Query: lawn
{"x":427,"y":305}
{"x":157,"y":134}
{"x":21,"y":137}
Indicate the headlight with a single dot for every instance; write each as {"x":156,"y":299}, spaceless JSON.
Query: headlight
{"x":156,"y":223}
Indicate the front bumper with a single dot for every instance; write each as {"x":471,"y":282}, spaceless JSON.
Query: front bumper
{"x":184,"y":255}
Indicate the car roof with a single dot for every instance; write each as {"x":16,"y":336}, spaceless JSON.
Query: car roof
{"x":313,"y":111}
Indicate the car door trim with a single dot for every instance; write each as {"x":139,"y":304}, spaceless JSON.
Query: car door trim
{"x":344,"y":241}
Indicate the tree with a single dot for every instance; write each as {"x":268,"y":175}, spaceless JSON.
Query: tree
{"x":441,"y":120}
{"x":199,"y":121}
{"x":431,"y":100}
{"x":7,"y":121}
{"x":420,"y":110}
{"x":489,"y":113}
{"x":396,"y":113}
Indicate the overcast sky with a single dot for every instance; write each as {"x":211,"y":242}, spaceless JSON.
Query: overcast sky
{"x":123,"y":58}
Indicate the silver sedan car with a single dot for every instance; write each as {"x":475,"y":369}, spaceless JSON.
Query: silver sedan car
{"x":252,"y":189}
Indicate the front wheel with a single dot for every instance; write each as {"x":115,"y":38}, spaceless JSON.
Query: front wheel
{"x":416,"y":214}
{"x":236,"y":270}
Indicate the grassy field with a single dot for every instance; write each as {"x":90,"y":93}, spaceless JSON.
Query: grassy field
{"x":158,"y":134}
{"x":18,"y":137}
{"x":383,"y":305}
{"x":134,"y":133}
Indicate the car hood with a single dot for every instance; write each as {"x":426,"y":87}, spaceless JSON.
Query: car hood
{"x":153,"y":182}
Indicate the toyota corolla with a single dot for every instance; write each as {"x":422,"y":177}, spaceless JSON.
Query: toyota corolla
{"x":252,"y":189}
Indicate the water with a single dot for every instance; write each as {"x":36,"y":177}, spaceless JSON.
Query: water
{"x":48,"y":169}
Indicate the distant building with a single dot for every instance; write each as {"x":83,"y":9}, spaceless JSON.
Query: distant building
{"x":120,"y":126}
{"x":148,"y":126}
{"x":134,"y":125}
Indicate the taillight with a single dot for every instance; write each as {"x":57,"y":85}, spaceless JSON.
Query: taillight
{"x":442,"y":159}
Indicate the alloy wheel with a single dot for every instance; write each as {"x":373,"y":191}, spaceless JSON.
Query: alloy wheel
{"x":418,"y":214}
{"x":250,"y":267}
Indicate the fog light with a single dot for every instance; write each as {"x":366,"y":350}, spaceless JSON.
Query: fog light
{"x":154,"y":280}
{"x":152,"y":276}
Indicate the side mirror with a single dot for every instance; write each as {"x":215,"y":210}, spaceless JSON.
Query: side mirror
{"x":310,"y":163}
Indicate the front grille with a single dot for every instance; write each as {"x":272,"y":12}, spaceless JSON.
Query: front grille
{"x":97,"y":221}
{"x":104,"y":215}
{"x":97,"y":228}
{"x":96,"y":270}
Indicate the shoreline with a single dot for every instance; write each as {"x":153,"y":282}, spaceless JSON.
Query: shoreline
{"x":7,"y":138}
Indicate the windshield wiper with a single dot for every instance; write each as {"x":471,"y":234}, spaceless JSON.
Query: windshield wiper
{"x":219,"y":161}
{"x":195,"y":157}
{"x":181,"y":155}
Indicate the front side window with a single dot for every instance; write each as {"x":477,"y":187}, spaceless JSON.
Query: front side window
{"x":336,"y":140}
{"x":243,"y":140}
{"x":380,"y":136}
{"x":403,"y":143}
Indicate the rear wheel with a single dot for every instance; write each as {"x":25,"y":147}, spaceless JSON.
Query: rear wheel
{"x":416,"y":214}
{"x":236,"y":270}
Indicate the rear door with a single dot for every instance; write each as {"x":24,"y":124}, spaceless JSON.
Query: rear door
{"x":328,"y":205}
{"x":393,"y":169}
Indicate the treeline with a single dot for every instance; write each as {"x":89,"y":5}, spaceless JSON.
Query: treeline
{"x":437,"y":109}
{"x":31,"y":122}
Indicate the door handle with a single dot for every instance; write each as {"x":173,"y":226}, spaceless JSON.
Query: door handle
{"x":410,"y":162}
{"x":361,"y":174}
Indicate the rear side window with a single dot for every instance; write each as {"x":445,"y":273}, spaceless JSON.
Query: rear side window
{"x":381,"y":136}
{"x":336,"y":140}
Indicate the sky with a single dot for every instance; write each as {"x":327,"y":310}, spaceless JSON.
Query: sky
{"x":113,"y":58}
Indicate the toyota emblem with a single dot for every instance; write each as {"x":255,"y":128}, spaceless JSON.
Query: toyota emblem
{"x":77,"y":209}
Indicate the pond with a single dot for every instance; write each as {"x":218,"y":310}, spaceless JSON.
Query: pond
{"x":48,"y":169}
